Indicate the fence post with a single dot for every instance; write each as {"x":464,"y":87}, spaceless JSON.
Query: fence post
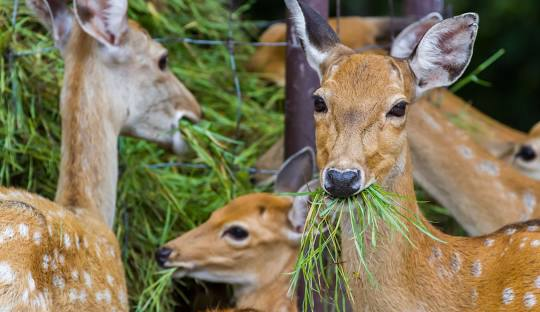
{"x":421,"y":8}
{"x":301,"y":82}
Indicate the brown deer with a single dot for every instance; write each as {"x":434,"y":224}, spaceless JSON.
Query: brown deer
{"x":251,"y":243}
{"x":361,"y":113}
{"x":63,"y":256}
{"x":447,"y":157}
{"x":355,"y":32}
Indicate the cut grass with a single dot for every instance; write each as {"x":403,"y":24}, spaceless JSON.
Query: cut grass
{"x":372,"y":209}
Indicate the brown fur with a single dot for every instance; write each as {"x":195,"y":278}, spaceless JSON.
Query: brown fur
{"x":260,"y":266}
{"x":430,"y":276}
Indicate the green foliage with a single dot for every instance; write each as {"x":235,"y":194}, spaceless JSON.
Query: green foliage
{"x":154,"y":205}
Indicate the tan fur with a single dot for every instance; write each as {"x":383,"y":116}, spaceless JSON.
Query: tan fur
{"x":355,"y":32}
{"x":430,"y":276}
{"x":481,"y":191}
{"x":259,"y":269}
{"x":63,"y":256}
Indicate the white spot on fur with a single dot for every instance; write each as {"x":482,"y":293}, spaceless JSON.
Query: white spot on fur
{"x":45,"y":262}
{"x":77,"y":242}
{"x":31,"y":282}
{"x":466,"y":152}
{"x":104,"y":295}
{"x":476,"y":269}
{"x":85,"y":243}
{"x":510,"y":231}
{"x":488,"y":167}
{"x":489,"y":242}
{"x":23,"y":230}
{"x":537,"y":282}
{"x":67,"y":241}
{"x":431,"y":122}
{"x":7,"y":275}
{"x":110,"y":280}
{"x":533,"y":228}
{"x":507,"y":295}
{"x":58,"y":282}
{"x":122,"y":297}
{"x":474,"y":295}
{"x":529,"y":300}
{"x":25,"y":296}
{"x":87,"y":279}
{"x":75,"y":275}
{"x":535,"y":243}
{"x":37,"y":238}
{"x":455,"y":262}
{"x":75,"y":295}
{"x":8,"y":233}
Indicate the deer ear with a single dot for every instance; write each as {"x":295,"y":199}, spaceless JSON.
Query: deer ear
{"x":535,"y":130}
{"x":316,"y":36}
{"x":444,"y":52}
{"x":405,"y":43}
{"x":296,"y":171}
{"x":300,"y":208}
{"x":55,"y":15}
{"x":104,"y":20}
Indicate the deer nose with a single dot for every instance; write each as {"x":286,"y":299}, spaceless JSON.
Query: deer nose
{"x":342,"y":183}
{"x":162,"y":255}
{"x":527,"y":153}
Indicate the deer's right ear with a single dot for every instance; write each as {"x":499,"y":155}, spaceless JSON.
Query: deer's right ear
{"x":407,"y":40}
{"x":316,"y":36}
{"x":55,"y":16}
{"x":535,"y":130}
{"x":104,"y":20}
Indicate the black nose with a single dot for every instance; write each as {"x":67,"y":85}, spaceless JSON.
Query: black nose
{"x":526,"y":153}
{"x":342,"y":183}
{"x":162,"y":255}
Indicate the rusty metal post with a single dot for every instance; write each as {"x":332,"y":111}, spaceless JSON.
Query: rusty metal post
{"x":421,"y":8}
{"x":301,"y":82}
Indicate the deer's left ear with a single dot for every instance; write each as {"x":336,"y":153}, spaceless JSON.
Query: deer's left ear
{"x":300,"y":209}
{"x":407,"y":40}
{"x":444,"y":52}
{"x":296,"y":171}
{"x":535,"y":130}
{"x":317,"y":37}
{"x":104,"y":20}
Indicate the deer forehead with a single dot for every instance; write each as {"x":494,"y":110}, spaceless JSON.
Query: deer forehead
{"x":252,"y":205}
{"x":366,"y":82}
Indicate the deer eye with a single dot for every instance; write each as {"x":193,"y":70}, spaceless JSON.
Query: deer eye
{"x":320,"y":104}
{"x":398,"y":110}
{"x":162,"y":63}
{"x":236,"y":232}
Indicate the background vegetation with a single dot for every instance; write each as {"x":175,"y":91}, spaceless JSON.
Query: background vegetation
{"x":157,"y":204}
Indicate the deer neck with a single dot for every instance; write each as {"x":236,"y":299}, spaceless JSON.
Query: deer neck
{"x":400,"y":270}
{"x":88,"y":170}
{"x":272,"y":294}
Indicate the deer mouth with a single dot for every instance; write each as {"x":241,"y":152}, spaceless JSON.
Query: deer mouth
{"x":182,"y":268}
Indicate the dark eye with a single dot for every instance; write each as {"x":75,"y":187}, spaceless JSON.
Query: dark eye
{"x":236,"y":233}
{"x":398,"y":110}
{"x":163,"y":62}
{"x":320,"y":104}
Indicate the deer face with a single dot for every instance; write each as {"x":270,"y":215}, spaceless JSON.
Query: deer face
{"x":117,"y":63}
{"x":361,"y":107}
{"x":527,"y":155}
{"x":239,"y":240}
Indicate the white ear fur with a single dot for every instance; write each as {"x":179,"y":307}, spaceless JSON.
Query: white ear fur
{"x":55,"y":15}
{"x":407,"y":40}
{"x":317,"y":37}
{"x":104,"y":20}
{"x":444,"y":52}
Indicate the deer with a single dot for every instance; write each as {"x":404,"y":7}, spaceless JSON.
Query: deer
{"x":63,"y":255}
{"x":448,"y":157}
{"x":356,"y":32}
{"x":361,"y":112}
{"x":252,"y":242}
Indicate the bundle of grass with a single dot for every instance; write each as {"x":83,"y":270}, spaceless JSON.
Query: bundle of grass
{"x":319,"y":263}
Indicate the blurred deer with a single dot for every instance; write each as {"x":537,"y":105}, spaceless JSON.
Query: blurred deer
{"x":251,"y":243}
{"x":360,"y":112}
{"x":63,"y":256}
{"x":355,"y":32}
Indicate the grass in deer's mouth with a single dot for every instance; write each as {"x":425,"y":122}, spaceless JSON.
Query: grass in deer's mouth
{"x":319,"y":261}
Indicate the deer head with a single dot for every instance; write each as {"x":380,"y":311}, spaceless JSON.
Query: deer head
{"x":361,"y":107}
{"x":239,"y":240}
{"x":525,"y":156}
{"x":112,"y":60}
